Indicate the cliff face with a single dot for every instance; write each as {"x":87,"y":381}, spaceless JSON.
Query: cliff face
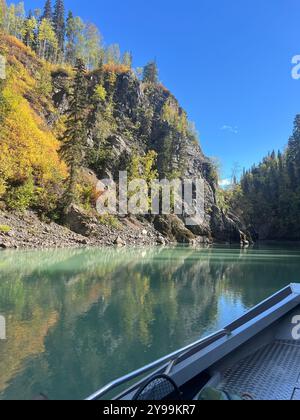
{"x":129,"y":117}
{"x":148,"y":117}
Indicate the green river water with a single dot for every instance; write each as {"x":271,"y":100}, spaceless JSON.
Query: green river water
{"x":76,"y":319}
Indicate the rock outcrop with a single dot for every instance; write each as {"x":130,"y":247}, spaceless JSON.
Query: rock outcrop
{"x":228,"y":228}
{"x":138,"y":109}
{"x":132,"y":117}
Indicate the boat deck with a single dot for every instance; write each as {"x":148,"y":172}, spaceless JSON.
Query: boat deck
{"x":272,"y":373}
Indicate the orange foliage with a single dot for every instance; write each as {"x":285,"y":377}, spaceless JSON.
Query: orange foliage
{"x":116,"y":68}
{"x":13,"y":48}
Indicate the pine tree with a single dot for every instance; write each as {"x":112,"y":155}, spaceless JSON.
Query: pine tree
{"x":70,"y":38}
{"x":59,"y":26}
{"x":151,"y":73}
{"x":47,"y":11}
{"x":271,"y":192}
{"x":75,"y":138}
{"x":293,"y":153}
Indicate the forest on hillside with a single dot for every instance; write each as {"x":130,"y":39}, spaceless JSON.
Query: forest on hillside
{"x":58,"y":36}
{"x":268,"y":194}
{"x":70,"y":102}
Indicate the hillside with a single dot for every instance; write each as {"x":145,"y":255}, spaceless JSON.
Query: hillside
{"x":268,"y":197}
{"x":128,"y":120}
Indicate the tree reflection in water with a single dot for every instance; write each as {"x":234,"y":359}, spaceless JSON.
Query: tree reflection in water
{"x":77,"y":319}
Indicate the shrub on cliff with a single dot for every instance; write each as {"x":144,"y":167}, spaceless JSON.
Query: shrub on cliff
{"x":28,"y":149}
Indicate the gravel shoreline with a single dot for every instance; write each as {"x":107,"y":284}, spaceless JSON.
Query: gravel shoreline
{"x":27,"y":231}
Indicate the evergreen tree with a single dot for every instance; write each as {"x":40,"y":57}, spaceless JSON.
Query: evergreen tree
{"x":47,"y":11}
{"x":271,"y":193}
{"x":70,"y":39}
{"x":59,"y":26}
{"x":75,"y":138}
{"x":150,"y":74}
{"x":293,"y":153}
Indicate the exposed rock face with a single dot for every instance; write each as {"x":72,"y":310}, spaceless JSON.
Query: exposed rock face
{"x":228,"y":228}
{"x":174,"y":229}
{"x":223,"y":228}
{"x":138,"y":110}
{"x":138,"y":122}
{"x":140,"y":127}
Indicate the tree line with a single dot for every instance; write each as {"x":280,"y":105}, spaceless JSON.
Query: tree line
{"x":62,"y":38}
{"x":58,"y":36}
{"x":268,"y":196}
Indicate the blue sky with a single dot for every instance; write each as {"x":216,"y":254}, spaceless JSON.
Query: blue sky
{"x":227,"y":61}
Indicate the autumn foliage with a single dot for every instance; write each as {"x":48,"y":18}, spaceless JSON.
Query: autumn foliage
{"x":28,"y":149}
{"x":116,"y":68}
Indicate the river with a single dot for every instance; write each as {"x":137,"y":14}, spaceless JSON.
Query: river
{"x":76,"y":319}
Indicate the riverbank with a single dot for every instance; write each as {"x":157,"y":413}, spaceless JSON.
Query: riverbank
{"x":26,"y":230}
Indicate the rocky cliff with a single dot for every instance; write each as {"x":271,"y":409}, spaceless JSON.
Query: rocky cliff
{"x":150,"y":118}
{"x":127,"y":117}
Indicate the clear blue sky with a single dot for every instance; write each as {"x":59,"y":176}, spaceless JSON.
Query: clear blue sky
{"x":227,"y":61}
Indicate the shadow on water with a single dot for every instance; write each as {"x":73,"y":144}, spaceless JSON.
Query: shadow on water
{"x":77,"y":319}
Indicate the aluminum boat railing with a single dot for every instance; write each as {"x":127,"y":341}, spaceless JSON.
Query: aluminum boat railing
{"x":169,"y":361}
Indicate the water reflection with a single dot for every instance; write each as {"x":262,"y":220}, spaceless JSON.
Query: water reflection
{"x":78,"y":318}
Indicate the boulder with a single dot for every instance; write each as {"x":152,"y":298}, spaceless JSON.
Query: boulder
{"x":174,"y":229}
{"x":77,"y":221}
{"x":119,"y":242}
